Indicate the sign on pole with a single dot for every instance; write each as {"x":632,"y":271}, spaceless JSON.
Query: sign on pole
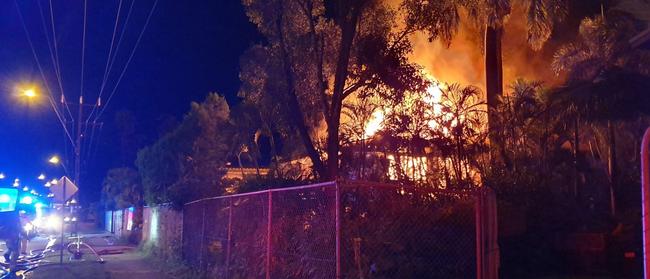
{"x":58,"y":190}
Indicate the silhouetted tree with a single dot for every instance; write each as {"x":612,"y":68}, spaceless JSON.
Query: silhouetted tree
{"x":188,"y":162}
{"x":606,"y":79}
{"x":121,"y":188}
{"x":321,"y":52}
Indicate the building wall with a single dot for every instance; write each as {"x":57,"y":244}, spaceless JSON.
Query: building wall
{"x":119,"y":222}
{"x":162,"y":231}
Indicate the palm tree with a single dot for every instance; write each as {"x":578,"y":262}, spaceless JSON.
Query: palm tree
{"x":606,"y":78}
{"x":356,"y":130}
{"x":246,"y":126}
{"x":441,"y":19}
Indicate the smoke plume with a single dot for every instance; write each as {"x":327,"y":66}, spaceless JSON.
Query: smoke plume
{"x":463,"y":61}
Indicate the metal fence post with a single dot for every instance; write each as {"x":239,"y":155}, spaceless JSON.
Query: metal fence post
{"x":202,"y":238}
{"x":645,"y":200}
{"x":229,"y":238}
{"x":478,"y":205}
{"x":268,"y":235}
{"x":113,"y":221}
{"x":337,"y":216}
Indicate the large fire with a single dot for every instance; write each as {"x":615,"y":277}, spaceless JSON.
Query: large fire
{"x":374,"y":124}
{"x":433,"y":98}
{"x":413,"y":167}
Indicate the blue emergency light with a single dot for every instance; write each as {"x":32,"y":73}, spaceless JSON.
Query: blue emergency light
{"x":8,"y":199}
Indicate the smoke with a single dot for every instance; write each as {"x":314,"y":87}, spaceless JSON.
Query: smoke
{"x":519,"y":60}
{"x":463,"y":61}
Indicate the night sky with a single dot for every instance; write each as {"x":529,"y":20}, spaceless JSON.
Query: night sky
{"x":186,"y":51}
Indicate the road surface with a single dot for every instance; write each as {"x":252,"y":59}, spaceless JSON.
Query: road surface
{"x":130,"y":263}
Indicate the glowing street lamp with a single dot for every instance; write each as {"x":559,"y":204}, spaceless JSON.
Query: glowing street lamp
{"x":41,"y":177}
{"x":48,"y":184}
{"x":54,"y":160}
{"x":29,"y":93}
{"x":2,"y":175}
{"x":54,"y":182}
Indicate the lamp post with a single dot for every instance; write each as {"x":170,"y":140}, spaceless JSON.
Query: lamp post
{"x":56,"y":161}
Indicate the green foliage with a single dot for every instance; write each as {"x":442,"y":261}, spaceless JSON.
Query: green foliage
{"x":186,"y":163}
{"x":606,"y":76}
{"x":174,"y":266}
{"x":121,"y":189}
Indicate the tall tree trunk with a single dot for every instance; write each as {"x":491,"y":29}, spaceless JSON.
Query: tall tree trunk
{"x":348,"y":31}
{"x":611,"y":163}
{"x":255,"y":162}
{"x":494,"y":88}
{"x":241,"y":167}
{"x":296,"y":113}
{"x":544,"y":142}
{"x":274,"y":150}
{"x":576,"y":151}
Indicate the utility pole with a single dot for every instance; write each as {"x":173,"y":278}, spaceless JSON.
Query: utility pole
{"x":77,"y":148}
{"x":77,"y":165}
{"x":77,"y":168}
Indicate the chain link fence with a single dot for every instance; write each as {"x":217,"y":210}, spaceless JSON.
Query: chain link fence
{"x":336,"y":230}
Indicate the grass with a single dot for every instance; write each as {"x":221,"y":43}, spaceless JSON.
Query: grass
{"x":174,"y":267}
{"x":71,"y":270}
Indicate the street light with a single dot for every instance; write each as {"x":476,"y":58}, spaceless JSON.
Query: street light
{"x":29,"y":93}
{"x":54,"y":160}
{"x":41,"y":177}
{"x":2,"y":175}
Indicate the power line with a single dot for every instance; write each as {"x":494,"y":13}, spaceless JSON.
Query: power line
{"x":58,"y":64}
{"x":129,"y":60}
{"x":83,"y":52}
{"x":83,"y":58}
{"x":110,"y":52}
{"x":31,"y":45}
{"x":112,"y":59}
{"x":55,"y":64}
